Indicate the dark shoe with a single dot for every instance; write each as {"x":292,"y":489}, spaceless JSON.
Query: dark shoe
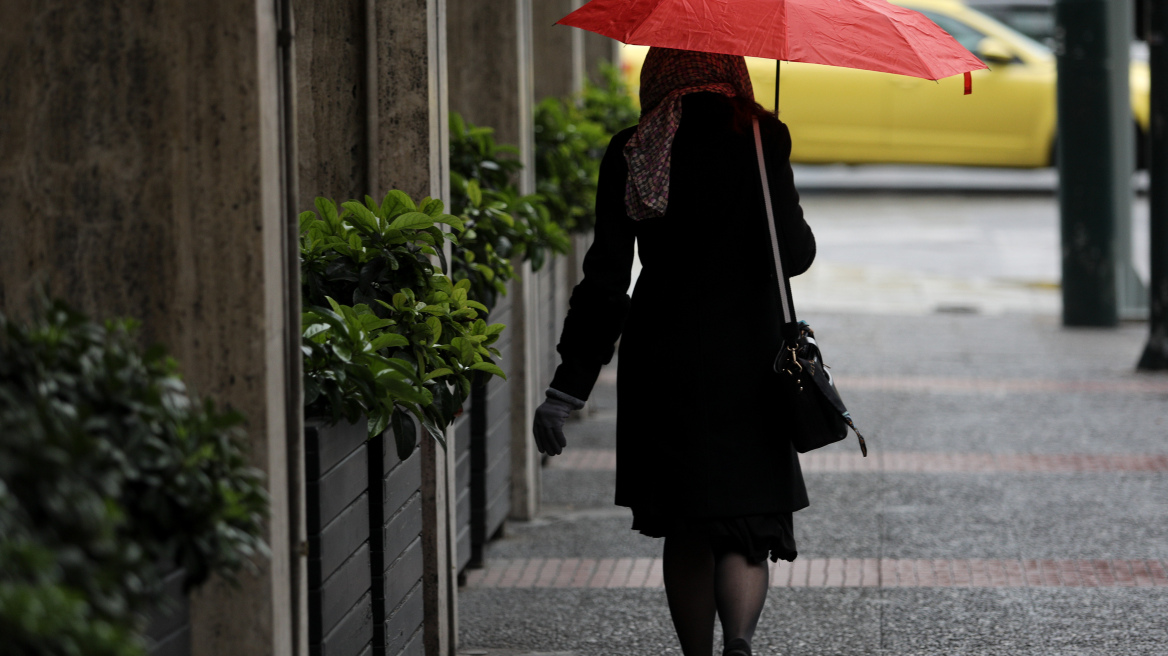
{"x":737,"y":647}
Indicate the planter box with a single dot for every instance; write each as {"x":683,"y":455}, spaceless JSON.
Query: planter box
{"x":364,"y":514}
{"x":461,"y":525}
{"x":490,"y":443}
{"x":397,"y":562}
{"x":340,"y":598}
{"x":169,"y":629}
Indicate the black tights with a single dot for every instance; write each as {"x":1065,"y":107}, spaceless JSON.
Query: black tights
{"x":700,"y":582}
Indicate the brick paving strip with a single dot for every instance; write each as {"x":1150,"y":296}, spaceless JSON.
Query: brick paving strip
{"x":926,"y":463}
{"x":966,"y":385}
{"x":998,"y":385}
{"x":834,"y":573}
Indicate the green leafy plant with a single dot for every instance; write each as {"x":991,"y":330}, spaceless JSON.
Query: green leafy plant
{"x":609,"y":103}
{"x":568,"y":150}
{"x":410,"y":343}
{"x":502,"y":225}
{"x":110,"y":475}
{"x":571,"y":135}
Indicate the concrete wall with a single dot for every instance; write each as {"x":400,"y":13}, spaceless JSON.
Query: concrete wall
{"x":599,"y":48}
{"x":490,"y":76}
{"x":332,"y":99}
{"x":141,"y":177}
{"x":558,"y":50}
{"x":370,"y":98}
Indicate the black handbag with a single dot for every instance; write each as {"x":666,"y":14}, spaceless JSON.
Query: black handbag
{"x":818,"y":413}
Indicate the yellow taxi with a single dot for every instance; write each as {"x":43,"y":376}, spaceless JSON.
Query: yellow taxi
{"x":846,"y":115}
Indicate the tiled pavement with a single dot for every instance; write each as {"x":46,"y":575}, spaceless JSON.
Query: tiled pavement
{"x":1015,"y":502}
{"x":834,"y":573}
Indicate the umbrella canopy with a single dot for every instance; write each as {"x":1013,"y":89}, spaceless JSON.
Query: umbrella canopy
{"x":872,"y":35}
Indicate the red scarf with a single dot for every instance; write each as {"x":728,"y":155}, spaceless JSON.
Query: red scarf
{"x":666,"y":76}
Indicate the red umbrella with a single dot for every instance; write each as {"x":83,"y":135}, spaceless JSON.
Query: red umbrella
{"x":872,"y":35}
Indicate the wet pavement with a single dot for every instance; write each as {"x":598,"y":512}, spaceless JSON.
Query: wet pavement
{"x":1016,"y":499}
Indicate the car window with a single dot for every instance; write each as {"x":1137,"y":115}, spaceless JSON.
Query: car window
{"x":968,"y":37}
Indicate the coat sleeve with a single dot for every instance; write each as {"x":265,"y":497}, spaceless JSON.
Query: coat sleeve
{"x":597,"y":308}
{"x":795,"y":236}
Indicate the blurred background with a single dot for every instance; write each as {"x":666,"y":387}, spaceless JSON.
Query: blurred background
{"x":924,"y":200}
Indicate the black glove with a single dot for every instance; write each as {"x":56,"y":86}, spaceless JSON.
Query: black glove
{"x":549,"y":421}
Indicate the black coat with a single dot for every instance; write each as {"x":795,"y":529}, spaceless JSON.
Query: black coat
{"x":699,"y":420}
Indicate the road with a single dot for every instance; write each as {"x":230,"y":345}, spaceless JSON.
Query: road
{"x":918,"y":240}
{"x":900,"y":240}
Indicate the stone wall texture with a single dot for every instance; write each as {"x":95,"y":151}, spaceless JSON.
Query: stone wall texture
{"x":332,"y":99}
{"x":136,"y":159}
{"x":558,"y":50}
{"x":484,"y":78}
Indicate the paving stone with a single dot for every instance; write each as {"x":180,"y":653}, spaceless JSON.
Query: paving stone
{"x":1025,"y":556}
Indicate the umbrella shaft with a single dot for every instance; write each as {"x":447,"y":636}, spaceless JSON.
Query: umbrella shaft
{"x":778,"y":72}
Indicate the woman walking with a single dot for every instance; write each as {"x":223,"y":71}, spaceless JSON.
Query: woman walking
{"x":702,"y":458}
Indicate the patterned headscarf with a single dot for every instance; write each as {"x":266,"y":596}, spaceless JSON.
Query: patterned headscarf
{"x":666,"y":76}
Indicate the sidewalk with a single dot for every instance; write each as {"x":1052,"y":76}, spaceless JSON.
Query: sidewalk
{"x":1016,"y":502}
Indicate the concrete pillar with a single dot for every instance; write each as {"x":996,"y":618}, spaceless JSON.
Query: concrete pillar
{"x":407,"y":105}
{"x":490,"y":63}
{"x":526,"y":396}
{"x":599,"y":48}
{"x":143,"y":176}
{"x":408,"y":98}
{"x":332,"y":97}
{"x":558,"y":50}
{"x":489,"y":55}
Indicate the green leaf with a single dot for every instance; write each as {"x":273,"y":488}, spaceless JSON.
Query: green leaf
{"x":442,"y":371}
{"x":315,"y":329}
{"x":396,"y":202}
{"x":435,"y":326}
{"x":489,"y":368}
{"x":343,"y":352}
{"x":306,"y":220}
{"x":327,"y":209}
{"x":378,"y":424}
{"x":431,"y":207}
{"x":387,"y":340}
{"x":451,"y":220}
{"x":474,"y":193}
{"x":405,"y":433}
{"x":403,"y":391}
{"x":414,"y":220}
{"x":437,"y":433}
{"x":464,"y":348}
{"x":361,"y":215}
{"x":405,"y":368}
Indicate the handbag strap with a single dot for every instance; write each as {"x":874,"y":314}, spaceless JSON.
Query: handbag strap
{"x":780,"y":277}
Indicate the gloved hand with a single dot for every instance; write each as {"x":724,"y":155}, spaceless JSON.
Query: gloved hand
{"x":549,"y":421}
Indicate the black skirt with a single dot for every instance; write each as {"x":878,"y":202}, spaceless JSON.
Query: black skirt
{"x":754,"y":536}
